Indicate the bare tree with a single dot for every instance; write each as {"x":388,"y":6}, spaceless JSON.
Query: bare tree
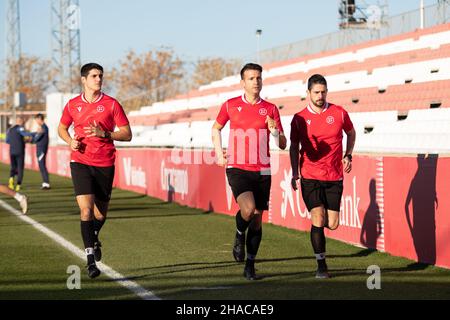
{"x":35,"y":78}
{"x":211,"y":69}
{"x":143,"y":79}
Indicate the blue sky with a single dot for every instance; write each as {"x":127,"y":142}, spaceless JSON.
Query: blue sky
{"x":195,"y":28}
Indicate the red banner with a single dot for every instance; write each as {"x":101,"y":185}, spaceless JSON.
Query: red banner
{"x":394,"y":204}
{"x":418,"y":220}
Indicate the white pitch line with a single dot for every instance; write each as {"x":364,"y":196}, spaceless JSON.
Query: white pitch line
{"x":111,"y":273}
{"x":210,"y":288}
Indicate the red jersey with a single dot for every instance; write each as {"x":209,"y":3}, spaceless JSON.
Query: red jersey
{"x":108,"y":114}
{"x":248,"y":147}
{"x":320,"y":136}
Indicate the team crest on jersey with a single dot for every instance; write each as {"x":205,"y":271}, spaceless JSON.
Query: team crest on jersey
{"x":263,"y":112}
{"x":330,"y":120}
{"x":100,"y":109}
{"x":79,"y":109}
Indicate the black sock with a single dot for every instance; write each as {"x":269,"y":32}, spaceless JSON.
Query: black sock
{"x":318,"y":242}
{"x":249,"y":263}
{"x":318,"y":239}
{"x":98,"y":224}
{"x":253,"y":242}
{"x":87,"y":233}
{"x":241,"y":224}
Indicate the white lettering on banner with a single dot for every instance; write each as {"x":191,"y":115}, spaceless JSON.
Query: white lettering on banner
{"x":229,"y":193}
{"x":349,"y":204}
{"x":63,"y":162}
{"x":349,"y":209}
{"x":134,"y":177}
{"x":305,"y":214}
{"x":286,"y":188}
{"x":288,"y":198}
{"x":174,"y":180}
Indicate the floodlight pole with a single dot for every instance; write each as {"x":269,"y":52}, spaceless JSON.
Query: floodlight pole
{"x":258,"y":36}
{"x":422,"y":14}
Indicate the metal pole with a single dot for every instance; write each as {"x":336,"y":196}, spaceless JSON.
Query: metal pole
{"x":422,"y":15}
{"x":258,"y":36}
{"x":13,"y":55}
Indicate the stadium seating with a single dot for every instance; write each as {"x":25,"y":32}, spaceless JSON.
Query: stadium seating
{"x":389,"y":86}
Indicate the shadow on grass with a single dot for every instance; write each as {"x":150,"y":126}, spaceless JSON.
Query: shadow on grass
{"x":151,"y":215}
{"x":336,"y":273}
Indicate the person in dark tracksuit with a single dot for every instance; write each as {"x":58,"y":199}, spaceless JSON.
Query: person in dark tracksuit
{"x":15,"y":138}
{"x":41,"y":140}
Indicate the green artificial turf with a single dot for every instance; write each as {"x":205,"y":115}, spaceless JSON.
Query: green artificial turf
{"x":182,"y":253}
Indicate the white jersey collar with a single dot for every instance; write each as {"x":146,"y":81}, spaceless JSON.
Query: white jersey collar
{"x":327,"y":106}
{"x":96,"y":100}
{"x":245,"y":100}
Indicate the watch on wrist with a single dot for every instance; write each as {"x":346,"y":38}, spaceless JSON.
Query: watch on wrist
{"x":349,"y":156}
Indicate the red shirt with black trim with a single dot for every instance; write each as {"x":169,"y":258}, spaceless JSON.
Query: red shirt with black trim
{"x":320,"y":136}
{"x":248,"y":147}
{"x":105,"y":112}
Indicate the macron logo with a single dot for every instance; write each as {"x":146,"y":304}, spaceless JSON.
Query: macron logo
{"x":134,"y":177}
{"x":79,"y":109}
{"x":308,"y":122}
{"x":239,"y":109}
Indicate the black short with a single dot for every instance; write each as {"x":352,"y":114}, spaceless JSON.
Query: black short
{"x":92,"y":180}
{"x":254,"y":181}
{"x":322,"y":193}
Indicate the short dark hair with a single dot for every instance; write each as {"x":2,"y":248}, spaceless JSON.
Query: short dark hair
{"x":39,"y":116}
{"x":88,"y":67}
{"x":316,"y":79}
{"x":250,"y":66}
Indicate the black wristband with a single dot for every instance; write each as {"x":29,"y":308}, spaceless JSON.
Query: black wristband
{"x":107,"y":135}
{"x":349,"y":156}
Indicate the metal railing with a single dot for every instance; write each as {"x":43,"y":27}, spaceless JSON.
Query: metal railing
{"x":407,"y":22}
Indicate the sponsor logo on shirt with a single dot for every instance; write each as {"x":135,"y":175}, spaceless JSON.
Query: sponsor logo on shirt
{"x":330,"y":120}
{"x":263,"y":112}
{"x":100,"y":109}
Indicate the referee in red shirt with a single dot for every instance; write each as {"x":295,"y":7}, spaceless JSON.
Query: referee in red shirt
{"x":247,"y":161}
{"x":94,"y":116}
{"x":319,"y":130}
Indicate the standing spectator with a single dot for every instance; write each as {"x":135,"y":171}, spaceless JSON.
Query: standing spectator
{"x":15,"y":137}
{"x":41,"y":141}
